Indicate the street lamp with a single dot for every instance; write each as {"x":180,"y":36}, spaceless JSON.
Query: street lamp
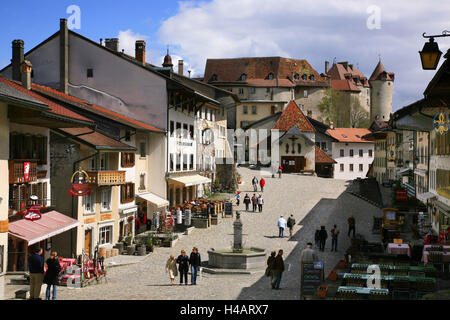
{"x":430,"y":53}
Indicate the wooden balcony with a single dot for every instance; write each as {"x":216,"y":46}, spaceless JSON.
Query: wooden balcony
{"x":16,"y":171}
{"x":106,"y":178}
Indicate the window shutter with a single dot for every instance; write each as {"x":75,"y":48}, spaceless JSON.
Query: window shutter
{"x":122,"y":193}
{"x":15,"y":195}
{"x":132,"y":191}
{"x":44,"y":194}
{"x":44,"y":150}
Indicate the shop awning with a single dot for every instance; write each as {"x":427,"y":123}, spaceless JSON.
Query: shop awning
{"x":425,"y":196}
{"x":50,"y":225}
{"x":154,"y":199}
{"x":191,"y":180}
{"x":405,"y":171}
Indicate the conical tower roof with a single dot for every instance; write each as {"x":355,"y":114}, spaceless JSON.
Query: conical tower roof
{"x":167,"y":60}
{"x":380,"y":73}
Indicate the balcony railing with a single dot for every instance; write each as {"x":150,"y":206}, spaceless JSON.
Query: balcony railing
{"x":16,"y":171}
{"x":106,"y":178}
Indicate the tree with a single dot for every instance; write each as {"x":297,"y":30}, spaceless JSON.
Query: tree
{"x":328,"y":106}
{"x":359,"y":118}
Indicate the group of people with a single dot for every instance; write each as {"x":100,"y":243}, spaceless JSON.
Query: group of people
{"x":321,"y":235}
{"x":282,"y":224}
{"x":255,"y":183}
{"x":184,"y":263}
{"x":37,"y":278}
{"x":256,"y":201}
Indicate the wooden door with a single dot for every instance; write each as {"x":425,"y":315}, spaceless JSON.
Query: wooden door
{"x":87,"y":241}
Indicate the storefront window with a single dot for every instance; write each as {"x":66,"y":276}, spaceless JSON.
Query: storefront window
{"x":443,"y":182}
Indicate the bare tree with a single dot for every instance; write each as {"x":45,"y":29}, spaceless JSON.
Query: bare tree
{"x":359,"y":118}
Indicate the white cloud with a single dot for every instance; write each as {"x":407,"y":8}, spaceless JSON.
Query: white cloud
{"x":312,"y":30}
{"x":127,"y":41}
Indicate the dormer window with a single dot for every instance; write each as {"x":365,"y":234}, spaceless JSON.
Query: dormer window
{"x":311,"y":77}
{"x":304,"y":77}
{"x":270,"y":76}
{"x":214,"y":77}
{"x":297,"y":76}
{"x":243,"y":77}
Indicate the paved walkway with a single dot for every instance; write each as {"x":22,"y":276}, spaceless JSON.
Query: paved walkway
{"x":313,"y":201}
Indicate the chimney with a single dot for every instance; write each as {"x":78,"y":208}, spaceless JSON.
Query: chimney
{"x":63,"y":56}
{"x":180,"y":67}
{"x":327,"y":66}
{"x":351,"y":66}
{"x":140,"y":51}
{"x":25,"y":69}
{"x":189,"y":71}
{"x":17,"y":59}
{"x":101,"y":41}
{"x":112,"y":44}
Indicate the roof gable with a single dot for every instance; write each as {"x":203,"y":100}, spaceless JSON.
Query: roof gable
{"x":322,"y":157}
{"x":349,"y":134}
{"x":292,"y":116}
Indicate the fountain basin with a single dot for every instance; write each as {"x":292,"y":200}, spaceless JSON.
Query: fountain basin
{"x":250,"y":258}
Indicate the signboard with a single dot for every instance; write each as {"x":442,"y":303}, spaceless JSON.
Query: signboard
{"x":33,"y":213}
{"x":441,"y":123}
{"x":80,"y":184}
{"x":26,"y":170}
{"x":401,"y":195}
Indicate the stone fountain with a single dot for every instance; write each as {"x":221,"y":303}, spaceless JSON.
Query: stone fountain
{"x":237,"y":257}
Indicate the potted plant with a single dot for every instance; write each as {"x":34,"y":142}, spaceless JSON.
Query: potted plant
{"x":131,"y":248}
{"x":150,"y":241}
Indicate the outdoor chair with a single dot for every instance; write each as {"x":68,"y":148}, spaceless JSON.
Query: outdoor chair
{"x":436,"y":258}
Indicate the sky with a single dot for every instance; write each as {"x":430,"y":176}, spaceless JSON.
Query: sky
{"x":358,"y":31}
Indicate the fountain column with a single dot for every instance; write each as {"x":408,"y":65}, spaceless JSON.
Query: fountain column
{"x":237,"y":226}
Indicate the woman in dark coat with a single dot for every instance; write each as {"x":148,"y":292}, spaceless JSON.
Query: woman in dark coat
{"x":247,"y":201}
{"x":51,"y":277}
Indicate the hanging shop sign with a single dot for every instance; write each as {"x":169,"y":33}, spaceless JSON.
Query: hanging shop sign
{"x":401,"y":195}
{"x":26,"y":170}
{"x":80,"y":185}
{"x":441,"y":123}
{"x":33,"y":213}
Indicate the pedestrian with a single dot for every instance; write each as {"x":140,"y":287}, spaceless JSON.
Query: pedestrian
{"x":262,"y":183}
{"x":280,"y":170}
{"x":36,"y":266}
{"x":260,"y":203}
{"x":183,"y":267}
{"x":51,"y":278}
{"x":255,"y":184}
{"x":351,"y":225}
{"x":195,"y":262}
{"x":316,"y":238}
{"x":278,"y":269}
{"x":291,"y":224}
{"x":247,"y":201}
{"x":254,"y":202}
{"x":334,"y":238}
{"x":281,"y":226}
{"x":323,"y":235}
{"x":308,"y":254}
{"x":171,"y":268}
{"x":270,"y":264}
{"x":238,"y":198}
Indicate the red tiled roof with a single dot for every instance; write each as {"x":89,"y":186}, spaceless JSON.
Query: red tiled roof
{"x":349,"y":134}
{"x":93,"y":108}
{"x":95,"y":138}
{"x":322,"y":157}
{"x":54,"y":107}
{"x":344,"y":85}
{"x":259,"y":68}
{"x":345,"y":71}
{"x":293,"y":116}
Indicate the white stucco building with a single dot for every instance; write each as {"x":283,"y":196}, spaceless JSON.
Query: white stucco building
{"x":353,"y":154}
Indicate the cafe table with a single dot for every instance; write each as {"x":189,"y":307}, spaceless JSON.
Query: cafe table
{"x":403,"y":248}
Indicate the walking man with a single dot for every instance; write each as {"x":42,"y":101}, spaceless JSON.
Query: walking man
{"x":195,"y":262}
{"x":36,"y":265}
{"x":278,"y":269}
{"x":255,"y":184}
{"x":308,"y":254}
{"x":323,"y":235}
{"x":291,"y":224}
{"x":280,"y":170}
{"x":246,"y":201}
{"x":254,"y":202}
{"x":334,"y":238}
{"x":351,"y":225}
{"x":260,"y":203}
{"x":262,"y":183}
{"x":270,"y":264}
{"x":183,"y":267}
{"x":281,"y":226}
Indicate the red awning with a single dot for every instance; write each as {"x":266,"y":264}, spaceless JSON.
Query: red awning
{"x":51,"y":224}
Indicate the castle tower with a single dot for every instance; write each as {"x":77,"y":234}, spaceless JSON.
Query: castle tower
{"x":382,"y":83}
